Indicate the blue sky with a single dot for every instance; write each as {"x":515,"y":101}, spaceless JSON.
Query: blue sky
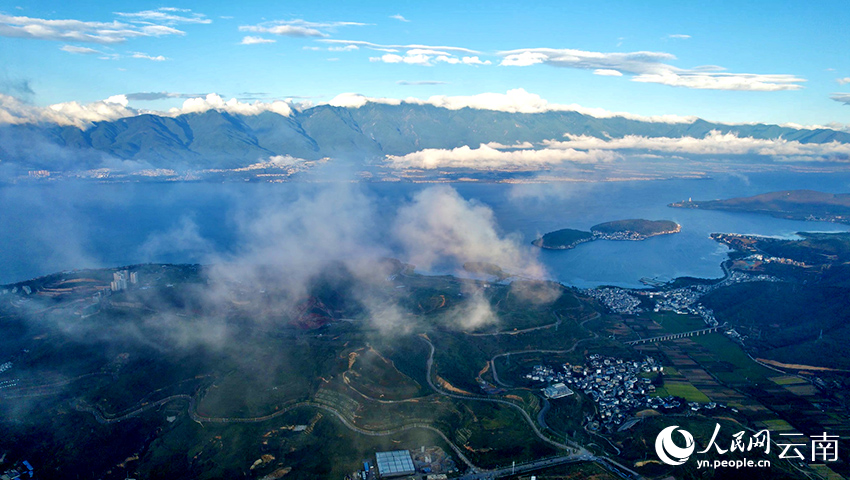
{"x":774,"y":62}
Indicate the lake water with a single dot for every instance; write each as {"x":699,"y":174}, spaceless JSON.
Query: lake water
{"x":53,"y":227}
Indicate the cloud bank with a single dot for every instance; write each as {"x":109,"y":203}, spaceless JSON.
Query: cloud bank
{"x":214,"y":102}
{"x":286,"y":245}
{"x":584,"y":149}
{"x":79,"y":115}
{"x":486,"y":157}
{"x":715,"y":143}
{"x":15,"y":111}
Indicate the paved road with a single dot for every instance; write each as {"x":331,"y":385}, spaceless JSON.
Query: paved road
{"x":480,"y":398}
{"x":528,"y":467}
{"x":517,"y":332}
{"x":577,"y":452}
{"x":193,"y":413}
{"x":593,"y":336}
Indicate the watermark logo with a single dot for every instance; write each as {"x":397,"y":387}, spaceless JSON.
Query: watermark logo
{"x":791,"y":446}
{"x":668,"y":451}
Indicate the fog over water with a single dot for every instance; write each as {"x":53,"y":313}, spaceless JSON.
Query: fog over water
{"x":53,"y":227}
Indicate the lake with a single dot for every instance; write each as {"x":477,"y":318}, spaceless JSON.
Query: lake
{"x":46,"y":228}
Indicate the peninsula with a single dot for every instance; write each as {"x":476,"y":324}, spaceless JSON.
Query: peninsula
{"x":790,"y":204}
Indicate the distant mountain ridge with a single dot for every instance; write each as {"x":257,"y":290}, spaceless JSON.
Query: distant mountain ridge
{"x":217,"y":139}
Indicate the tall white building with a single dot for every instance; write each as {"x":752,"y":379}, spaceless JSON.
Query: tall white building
{"x":121,"y":279}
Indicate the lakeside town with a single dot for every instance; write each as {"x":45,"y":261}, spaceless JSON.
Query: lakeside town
{"x":683,"y":300}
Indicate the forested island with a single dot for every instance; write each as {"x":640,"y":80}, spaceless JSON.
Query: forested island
{"x":631,"y":229}
{"x":790,"y":204}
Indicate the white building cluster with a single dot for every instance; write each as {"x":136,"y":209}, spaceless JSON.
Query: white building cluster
{"x":685,"y":300}
{"x":615,"y":385}
{"x":121,"y":279}
{"x":618,"y":300}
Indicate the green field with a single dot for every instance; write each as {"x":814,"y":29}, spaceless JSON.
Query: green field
{"x":683,"y":390}
{"x":745,"y":370}
{"x":676,"y":323}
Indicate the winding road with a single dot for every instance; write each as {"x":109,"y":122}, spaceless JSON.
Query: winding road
{"x":576,"y":449}
{"x":593,"y":336}
{"x":576,"y":453}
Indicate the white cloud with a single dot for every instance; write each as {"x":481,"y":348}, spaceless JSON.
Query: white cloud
{"x":388,"y":58}
{"x":285,"y":30}
{"x":79,"y":31}
{"x":355,"y":100}
{"x":651,"y":67}
{"x":475,"y":61}
{"x":424,"y":55}
{"x":678,"y":36}
{"x":523,"y":59}
{"x":165,"y":15}
{"x":14,"y":111}
{"x":583,"y":149}
{"x":249,"y":40}
{"x":485,"y":157}
{"x":393,"y":48}
{"x":843,"y":81}
{"x":214,"y":102}
{"x":421,"y":82}
{"x":297,"y":28}
{"x":841,"y":97}
{"x":284,"y":160}
{"x":513,"y":101}
{"x":399,"y":18}
{"x":440,"y":225}
{"x":502,"y":146}
{"x":724,"y":81}
{"x":715,"y":143}
{"x":633,"y":62}
{"x":145,"y":56}
{"x":151,"y":96}
{"x":607,"y":72}
{"x":80,"y":115}
{"x":347,"y":48}
{"x":80,"y":50}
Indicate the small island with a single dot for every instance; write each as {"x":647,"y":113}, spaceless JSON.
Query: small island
{"x":791,"y":204}
{"x":631,"y":229}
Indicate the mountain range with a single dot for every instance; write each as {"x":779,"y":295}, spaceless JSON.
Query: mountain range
{"x":218,"y":139}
